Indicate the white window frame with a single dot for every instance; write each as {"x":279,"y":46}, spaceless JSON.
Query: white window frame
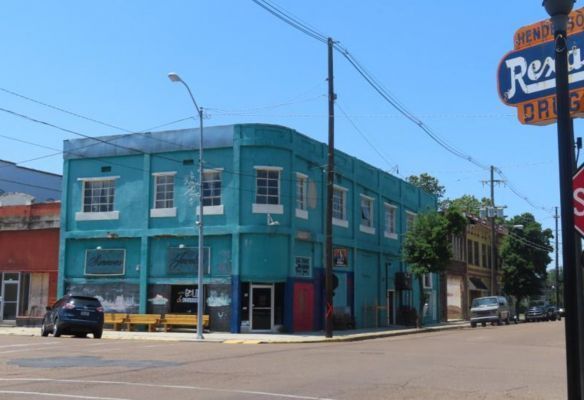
{"x":367,"y":225}
{"x":390,"y":229}
{"x":342,"y":222}
{"x":261,"y":208}
{"x":99,"y":215}
{"x":309,"y":267}
{"x":301,"y":195}
{"x":163,"y":212}
{"x":427,"y":280}
{"x":410,"y":219}
{"x":219,"y":208}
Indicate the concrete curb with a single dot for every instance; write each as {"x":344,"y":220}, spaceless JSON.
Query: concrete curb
{"x":366,"y":336}
{"x":226,"y":338}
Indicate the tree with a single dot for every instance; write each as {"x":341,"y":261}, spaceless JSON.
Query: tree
{"x":427,"y":246}
{"x":525,"y":256}
{"x":427,"y":183}
{"x":467,"y":204}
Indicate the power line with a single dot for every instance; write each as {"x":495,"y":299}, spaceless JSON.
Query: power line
{"x":281,"y":14}
{"x":394,"y":167}
{"x":514,"y":190}
{"x":530,"y":243}
{"x":380,"y":89}
{"x":110,"y":142}
{"x":31,"y":185}
{"x":62,"y":110}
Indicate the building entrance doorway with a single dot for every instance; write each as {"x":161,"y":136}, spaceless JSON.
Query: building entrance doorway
{"x":261,"y":308}
{"x":9,"y":295}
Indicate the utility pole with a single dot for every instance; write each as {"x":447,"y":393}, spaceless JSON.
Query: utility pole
{"x":491,"y":214}
{"x":557,"y":217}
{"x":329,"y":198}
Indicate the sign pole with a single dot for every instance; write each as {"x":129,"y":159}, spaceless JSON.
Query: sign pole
{"x":559,"y":11}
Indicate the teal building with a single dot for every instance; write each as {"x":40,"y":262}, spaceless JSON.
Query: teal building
{"x":129,"y":233}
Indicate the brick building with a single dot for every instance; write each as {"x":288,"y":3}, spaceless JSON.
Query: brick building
{"x":29,"y":249}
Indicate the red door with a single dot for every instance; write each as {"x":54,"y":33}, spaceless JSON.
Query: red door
{"x":303,"y":307}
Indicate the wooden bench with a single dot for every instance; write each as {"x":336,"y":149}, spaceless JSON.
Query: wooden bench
{"x":115,"y":319}
{"x":171,"y":320}
{"x":151,"y":320}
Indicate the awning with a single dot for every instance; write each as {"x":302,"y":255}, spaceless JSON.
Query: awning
{"x":476,"y":284}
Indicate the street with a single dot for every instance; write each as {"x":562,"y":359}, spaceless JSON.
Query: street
{"x":525,"y":361}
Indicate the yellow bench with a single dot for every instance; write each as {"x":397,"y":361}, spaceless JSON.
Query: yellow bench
{"x":171,"y":320}
{"x":151,"y":320}
{"x":115,"y":319}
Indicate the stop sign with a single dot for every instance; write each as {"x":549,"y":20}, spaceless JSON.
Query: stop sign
{"x":578,"y":186}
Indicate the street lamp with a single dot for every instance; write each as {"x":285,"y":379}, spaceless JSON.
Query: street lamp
{"x":175,"y":78}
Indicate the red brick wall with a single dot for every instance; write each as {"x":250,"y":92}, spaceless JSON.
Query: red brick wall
{"x":29,"y":251}
{"x":34,"y":210}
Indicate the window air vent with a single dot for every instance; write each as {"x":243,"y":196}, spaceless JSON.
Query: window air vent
{"x":188,"y":162}
{"x":106,"y":169}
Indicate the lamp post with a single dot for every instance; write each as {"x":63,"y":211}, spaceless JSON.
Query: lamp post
{"x":175,"y":78}
{"x":559,"y":11}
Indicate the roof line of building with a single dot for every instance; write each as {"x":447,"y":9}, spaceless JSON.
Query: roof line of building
{"x":30,"y":169}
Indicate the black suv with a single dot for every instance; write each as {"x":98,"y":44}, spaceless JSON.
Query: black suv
{"x":74,"y":315}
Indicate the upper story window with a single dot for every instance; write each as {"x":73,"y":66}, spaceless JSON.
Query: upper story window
{"x":476,"y":260}
{"x":410,"y":219}
{"x":340,"y":206}
{"x":301,"y":196}
{"x":163,"y":195}
{"x":98,"y":196}
{"x":469,"y":251}
{"x":367,"y":224}
{"x":267,"y":199}
{"x":390,"y":221}
{"x":457,"y":248}
{"x":98,"y":199}
{"x":427,"y":278}
{"x":164,"y":190}
{"x":211,"y":187}
{"x":267,"y":186}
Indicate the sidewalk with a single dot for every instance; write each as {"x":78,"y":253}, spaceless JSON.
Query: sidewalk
{"x":256,"y":338}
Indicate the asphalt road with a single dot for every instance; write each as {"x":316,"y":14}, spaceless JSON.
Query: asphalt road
{"x":525,"y":361}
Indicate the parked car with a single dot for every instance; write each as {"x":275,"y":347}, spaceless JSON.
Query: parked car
{"x":541,"y":310}
{"x":562,"y":311}
{"x":74,"y":315}
{"x":494,"y":309}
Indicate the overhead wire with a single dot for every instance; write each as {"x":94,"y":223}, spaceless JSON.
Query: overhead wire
{"x":515,"y":191}
{"x":106,"y":141}
{"x":393,"y":166}
{"x":368,"y":77}
{"x":31,"y":185}
{"x":530,"y":243}
{"x":379,"y":88}
{"x":136,"y":151}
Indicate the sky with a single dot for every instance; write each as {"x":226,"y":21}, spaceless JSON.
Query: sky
{"x":108,"y":61}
